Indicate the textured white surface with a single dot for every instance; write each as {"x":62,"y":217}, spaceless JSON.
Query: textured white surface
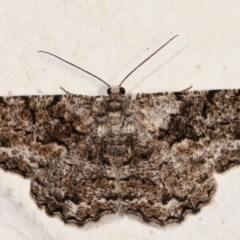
{"x":109,"y":38}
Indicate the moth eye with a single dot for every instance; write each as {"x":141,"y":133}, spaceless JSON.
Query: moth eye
{"x":122,"y":90}
{"x":109,"y":91}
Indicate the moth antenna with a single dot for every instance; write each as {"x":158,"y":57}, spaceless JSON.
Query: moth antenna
{"x":147,"y":59}
{"x":76,"y":67}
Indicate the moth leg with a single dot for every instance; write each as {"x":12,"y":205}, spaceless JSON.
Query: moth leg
{"x":187,"y":89}
{"x":66,"y":91}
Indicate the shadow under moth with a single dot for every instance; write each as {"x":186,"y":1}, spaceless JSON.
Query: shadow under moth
{"x":152,"y":157}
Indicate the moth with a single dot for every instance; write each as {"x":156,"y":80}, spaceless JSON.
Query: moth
{"x":152,"y":157}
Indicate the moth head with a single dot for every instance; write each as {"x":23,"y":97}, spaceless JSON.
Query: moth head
{"x":116,"y":90}
{"x":113,"y":90}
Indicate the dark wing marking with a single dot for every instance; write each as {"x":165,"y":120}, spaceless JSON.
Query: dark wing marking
{"x":38,"y":129}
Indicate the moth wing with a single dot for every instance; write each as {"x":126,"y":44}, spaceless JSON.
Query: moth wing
{"x":38,"y":129}
{"x":51,"y":140}
{"x":183,"y":138}
{"x":79,"y":186}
